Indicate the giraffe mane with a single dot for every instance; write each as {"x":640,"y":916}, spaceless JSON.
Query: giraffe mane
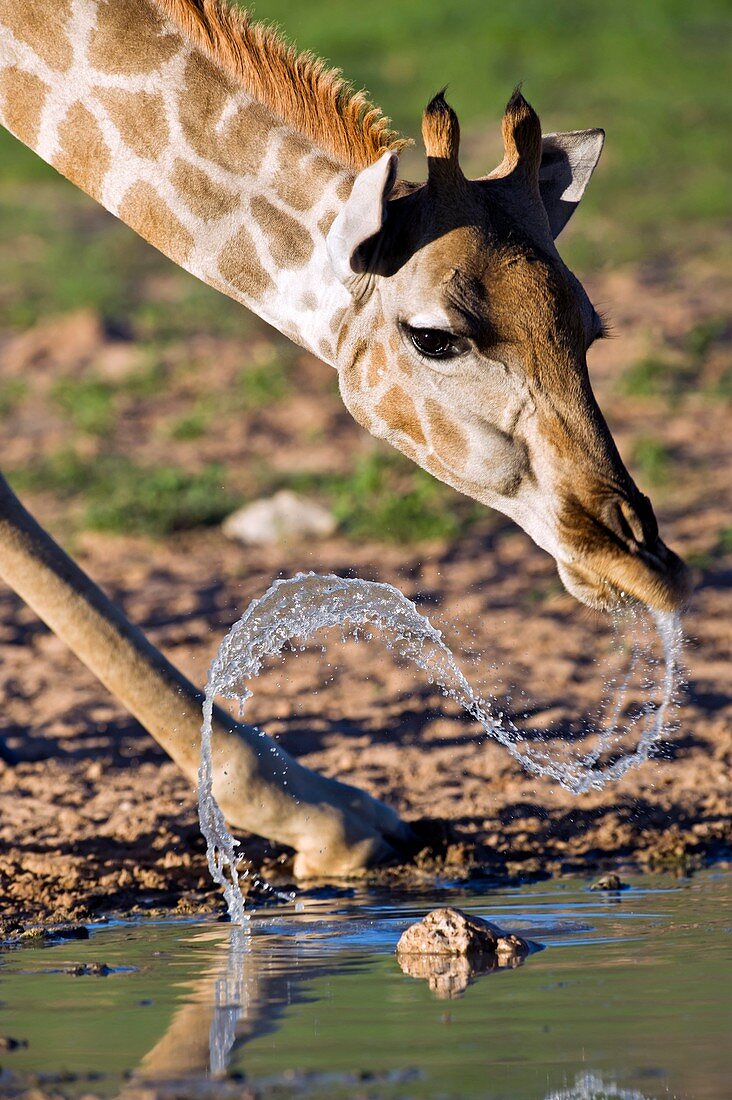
{"x":299,"y":88}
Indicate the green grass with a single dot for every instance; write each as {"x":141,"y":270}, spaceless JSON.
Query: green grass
{"x":261,"y":384}
{"x":720,"y":549}
{"x":120,"y":496}
{"x":12,"y":392}
{"x":59,"y":251}
{"x":652,"y":460}
{"x":675,"y":376}
{"x":191,"y":426}
{"x":702,"y":337}
{"x":87,"y":402}
{"x":385,"y":497}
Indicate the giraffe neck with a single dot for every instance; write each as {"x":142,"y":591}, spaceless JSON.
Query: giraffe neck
{"x":118,"y":98}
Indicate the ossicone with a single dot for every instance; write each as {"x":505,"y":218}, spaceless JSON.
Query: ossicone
{"x":521,"y":131}
{"x":441,"y":134}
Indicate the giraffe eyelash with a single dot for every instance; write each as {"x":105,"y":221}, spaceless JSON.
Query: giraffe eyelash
{"x":604,"y":329}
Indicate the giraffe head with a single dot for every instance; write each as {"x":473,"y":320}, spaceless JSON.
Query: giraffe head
{"x":466,"y":347}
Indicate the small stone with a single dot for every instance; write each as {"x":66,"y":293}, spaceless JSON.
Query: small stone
{"x":7,"y":1042}
{"x":60,"y":932}
{"x":274,"y":519}
{"x":67,"y":932}
{"x":448,"y":976}
{"x":11,"y":930}
{"x":94,"y":970}
{"x":449,"y":931}
{"x":448,"y":948}
{"x":609,"y":882}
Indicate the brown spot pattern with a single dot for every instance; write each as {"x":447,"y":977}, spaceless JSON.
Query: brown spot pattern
{"x":298,"y":88}
{"x":344,"y":188}
{"x":131,"y":38}
{"x":151,"y":217}
{"x":377,"y":365}
{"x":325,"y":223}
{"x":290,"y":244}
{"x":325,"y":348}
{"x":84,"y":155}
{"x":433,"y":465}
{"x":293,"y":148}
{"x":42,"y":28}
{"x":447,"y":438}
{"x":299,"y":183}
{"x":24,"y":95}
{"x":240,"y":145}
{"x":358,"y":353}
{"x":204,"y":196}
{"x":238,"y":262}
{"x":139,"y":118}
{"x":398,"y":412}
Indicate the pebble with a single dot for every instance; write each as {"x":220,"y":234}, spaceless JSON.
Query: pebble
{"x":276,"y":519}
{"x":609,"y":882}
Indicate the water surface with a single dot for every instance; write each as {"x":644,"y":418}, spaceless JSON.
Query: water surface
{"x":630,"y":1000}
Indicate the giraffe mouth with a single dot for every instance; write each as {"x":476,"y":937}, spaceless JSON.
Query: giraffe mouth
{"x":656,"y":578}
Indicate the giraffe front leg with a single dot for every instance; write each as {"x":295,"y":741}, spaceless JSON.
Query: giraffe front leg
{"x":335,"y":829}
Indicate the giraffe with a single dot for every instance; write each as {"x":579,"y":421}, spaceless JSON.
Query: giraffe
{"x":458,"y":334}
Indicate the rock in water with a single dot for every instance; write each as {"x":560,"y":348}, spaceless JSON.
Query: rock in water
{"x":448,"y":948}
{"x":283,"y":516}
{"x":451,"y":932}
{"x":609,"y":882}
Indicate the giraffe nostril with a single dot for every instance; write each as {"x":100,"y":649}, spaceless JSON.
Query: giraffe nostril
{"x":632,"y":523}
{"x":616,"y":518}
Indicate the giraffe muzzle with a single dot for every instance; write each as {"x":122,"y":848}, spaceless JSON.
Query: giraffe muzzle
{"x":615,"y":553}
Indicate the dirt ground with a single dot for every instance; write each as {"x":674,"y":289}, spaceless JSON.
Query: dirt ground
{"x":95,"y":820}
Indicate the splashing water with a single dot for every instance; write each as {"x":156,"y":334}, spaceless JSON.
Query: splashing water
{"x":298,"y":608}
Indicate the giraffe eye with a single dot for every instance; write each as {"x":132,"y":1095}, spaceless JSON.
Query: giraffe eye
{"x":435,"y":343}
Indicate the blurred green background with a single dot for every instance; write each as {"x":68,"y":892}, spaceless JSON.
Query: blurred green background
{"x":654,"y":73}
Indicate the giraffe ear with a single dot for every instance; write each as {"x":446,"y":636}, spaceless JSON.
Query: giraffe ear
{"x":361,"y":216}
{"x":567,"y":162}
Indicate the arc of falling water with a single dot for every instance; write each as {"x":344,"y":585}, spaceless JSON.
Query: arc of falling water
{"x":297,"y":608}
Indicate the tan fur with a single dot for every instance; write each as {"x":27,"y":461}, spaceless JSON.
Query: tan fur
{"x":448,"y":439}
{"x":441,"y":130}
{"x":83,"y":156}
{"x":22,"y":95}
{"x":240,"y":144}
{"x":521,"y":131}
{"x":147,"y":213}
{"x":139,"y":117}
{"x":376,"y":364}
{"x":130,"y":38}
{"x":288,"y":180}
{"x":290,"y":244}
{"x":238,"y":263}
{"x":200,"y":193}
{"x":30,"y":25}
{"x":397,"y":410}
{"x":297,"y":87}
